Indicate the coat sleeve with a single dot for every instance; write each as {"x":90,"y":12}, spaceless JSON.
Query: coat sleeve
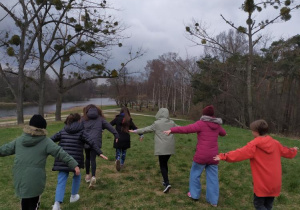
{"x":8,"y":149}
{"x":113,"y":122}
{"x":244,"y":153}
{"x":222,"y":131}
{"x":56,"y":137}
{"x":287,"y":152}
{"x":106,"y":125}
{"x":92,"y":144}
{"x":192,"y":128}
{"x":132,"y":125}
{"x":148,"y":129}
{"x":57,"y":152}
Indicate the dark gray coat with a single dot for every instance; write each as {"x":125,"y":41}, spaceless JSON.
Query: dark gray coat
{"x":95,"y":125}
{"x":72,"y":138}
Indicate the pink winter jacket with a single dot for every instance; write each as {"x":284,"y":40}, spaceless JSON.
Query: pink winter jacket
{"x":208,"y":129}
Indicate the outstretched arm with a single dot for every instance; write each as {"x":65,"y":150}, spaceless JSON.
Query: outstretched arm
{"x":192,"y":128}
{"x":241,"y":154}
{"x":8,"y":149}
{"x":288,"y":152}
{"x":110,"y":128}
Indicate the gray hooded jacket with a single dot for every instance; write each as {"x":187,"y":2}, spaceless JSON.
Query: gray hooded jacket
{"x":163,"y":144}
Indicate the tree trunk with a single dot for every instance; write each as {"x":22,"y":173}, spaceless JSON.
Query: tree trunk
{"x":249,"y":75}
{"x":42,"y":88}
{"x":58,"y":106}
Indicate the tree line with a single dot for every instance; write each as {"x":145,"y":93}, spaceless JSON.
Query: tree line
{"x":81,"y":92}
{"x":184,"y":86}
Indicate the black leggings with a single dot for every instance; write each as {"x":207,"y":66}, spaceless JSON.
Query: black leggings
{"x":163,"y":164}
{"x":30,"y":203}
{"x":90,"y":161}
{"x":263,"y":203}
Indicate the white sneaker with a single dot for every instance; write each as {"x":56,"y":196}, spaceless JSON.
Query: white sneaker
{"x":74,"y":198}
{"x":166,"y":190}
{"x":92,"y":183}
{"x":56,"y":206}
{"x":87,"y":178}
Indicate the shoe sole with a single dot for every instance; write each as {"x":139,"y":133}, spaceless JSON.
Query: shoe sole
{"x":92,"y":184}
{"x":118,"y":165}
{"x":167,"y":189}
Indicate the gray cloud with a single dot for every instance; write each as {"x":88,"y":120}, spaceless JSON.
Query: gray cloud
{"x":159,"y":25}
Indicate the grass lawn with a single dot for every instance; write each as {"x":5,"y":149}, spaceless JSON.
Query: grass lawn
{"x":139,"y":186}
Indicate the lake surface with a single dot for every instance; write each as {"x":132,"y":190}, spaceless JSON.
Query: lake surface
{"x":30,"y":110}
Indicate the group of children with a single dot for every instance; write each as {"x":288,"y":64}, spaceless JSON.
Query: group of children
{"x":85,"y":134}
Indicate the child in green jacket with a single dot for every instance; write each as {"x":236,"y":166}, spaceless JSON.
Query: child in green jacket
{"x":31,"y":150}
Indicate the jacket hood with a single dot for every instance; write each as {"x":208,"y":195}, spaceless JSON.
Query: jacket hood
{"x":33,"y":135}
{"x":162,"y":113}
{"x":265,"y":143}
{"x":92,"y":113}
{"x":75,"y":127}
{"x":213,"y":122}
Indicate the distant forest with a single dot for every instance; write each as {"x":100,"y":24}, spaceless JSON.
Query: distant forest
{"x":81,"y":92}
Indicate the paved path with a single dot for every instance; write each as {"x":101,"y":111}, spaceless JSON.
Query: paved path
{"x":52,"y":118}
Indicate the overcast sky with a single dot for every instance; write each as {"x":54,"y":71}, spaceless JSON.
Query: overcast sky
{"x":159,"y":25}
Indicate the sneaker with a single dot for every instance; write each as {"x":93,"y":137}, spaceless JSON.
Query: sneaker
{"x":189,"y":194}
{"x":74,"y":198}
{"x":87,"y":178}
{"x":56,"y":206}
{"x":166,"y":190}
{"x":92,"y":183}
{"x":118,"y":165}
{"x":214,"y":205}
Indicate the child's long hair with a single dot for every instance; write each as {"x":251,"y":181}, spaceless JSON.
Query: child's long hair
{"x":126,"y":119}
{"x":86,"y":109}
{"x":72,"y":118}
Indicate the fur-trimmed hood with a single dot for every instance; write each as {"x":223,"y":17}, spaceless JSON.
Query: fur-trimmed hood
{"x":33,"y":135}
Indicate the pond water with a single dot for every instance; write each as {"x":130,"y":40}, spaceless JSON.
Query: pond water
{"x":30,"y":110}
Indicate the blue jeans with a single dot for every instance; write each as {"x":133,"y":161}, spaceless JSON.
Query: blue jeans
{"x":212,"y":182}
{"x":121,"y":154}
{"x":61,"y":185}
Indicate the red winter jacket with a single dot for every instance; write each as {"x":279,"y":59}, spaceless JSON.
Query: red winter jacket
{"x":207,"y":135}
{"x":265,"y":155}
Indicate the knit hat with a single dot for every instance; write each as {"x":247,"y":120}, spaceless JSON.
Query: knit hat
{"x":38,"y":121}
{"x":208,"y":111}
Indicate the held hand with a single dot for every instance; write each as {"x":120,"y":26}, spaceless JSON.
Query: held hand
{"x":296,"y":148}
{"x":103,"y":156}
{"x":117,"y":140}
{"x":167,"y":132}
{"x":77,"y":171}
{"x":217,"y":158}
{"x":132,"y":131}
{"x":141,"y":138}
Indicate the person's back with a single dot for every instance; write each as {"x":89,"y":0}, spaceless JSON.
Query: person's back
{"x":208,"y":129}
{"x":164,"y":145}
{"x":265,"y":155}
{"x":31,"y":150}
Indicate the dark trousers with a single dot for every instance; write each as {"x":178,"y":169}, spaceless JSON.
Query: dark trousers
{"x":163,"y":164}
{"x":30,"y":203}
{"x":90,"y":161}
{"x":263,"y":203}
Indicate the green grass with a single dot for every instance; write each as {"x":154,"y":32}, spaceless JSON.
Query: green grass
{"x":139,"y":186}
